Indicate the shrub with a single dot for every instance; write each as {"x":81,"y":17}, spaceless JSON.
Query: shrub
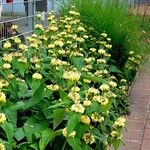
{"x":114,"y":18}
{"x":59,"y":91}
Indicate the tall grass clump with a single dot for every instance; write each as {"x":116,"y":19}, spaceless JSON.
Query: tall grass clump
{"x":112,"y":17}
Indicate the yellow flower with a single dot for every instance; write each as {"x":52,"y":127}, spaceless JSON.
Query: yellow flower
{"x":34,"y":45}
{"x":78,"y":108}
{"x":72,"y":134}
{"x":39,"y":26}
{"x":38,"y":16}
{"x":6,"y":66}
{"x":10,"y":76}
{"x":71,"y":12}
{"x":101,"y":99}
{"x":22,"y":46}
{"x":37,"y":76}
{"x":2,"y":97}
{"x":104,"y":87}
{"x":71,"y":75}
{"x":2,"y":118}
{"x":14,"y":27}
{"x":74,"y":96}
{"x":97,"y":118}
{"x":22,"y":60}
{"x":86,"y":81}
{"x":131,"y":52}
{"x":88,"y":138}
{"x":101,"y":51}
{"x":58,"y":43}
{"x":87,"y":103}
{"x":85,"y":119}
{"x":108,"y":46}
{"x":120,"y":122}
{"x":64,"y":132}
{"x":17,"y":39}
{"x":80,"y":39}
{"x":93,"y":49}
{"x":114,"y":134}
{"x":101,"y":60}
{"x":7,"y":45}
{"x":112,"y":84}
{"x":104,"y":35}
{"x":51,"y":45}
{"x":93,"y":90}
{"x":34,"y":60}
{"x":53,"y":87}
{"x":80,"y":29}
{"x":2,"y":146}
{"x":7,"y":57}
{"x":53,"y":28}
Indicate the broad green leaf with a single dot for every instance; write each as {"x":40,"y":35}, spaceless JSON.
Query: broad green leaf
{"x":35,"y":85}
{"x":10,"y":111}
{"x":92,"y":78}
{"x":72,"y":121}
{"x":35,"y":146}
{"x":9,"y":130}
{"x":114,"y":69}
{"x":75,"y":143}
{"x":78,"y":62}
{"x":14,"y":88}
{"x":57,"y":117}
{"x":19,"y":134}
{"x":29,"y":129}
{"x":46,"y":136}
{"x":23,"y":89}
{"x":116,"y":143}
{"x":36,"y":98}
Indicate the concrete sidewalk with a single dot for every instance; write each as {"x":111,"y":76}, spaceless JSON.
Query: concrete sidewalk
{"x":137,"y":133}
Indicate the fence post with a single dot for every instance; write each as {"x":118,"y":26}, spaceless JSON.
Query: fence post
{"x":52,"y":4}
{"x":31,"y":14}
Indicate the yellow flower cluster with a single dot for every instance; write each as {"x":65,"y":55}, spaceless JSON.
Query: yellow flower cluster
{"x":2,"y":146}
{"x":88,"y":138}
{"x":66,"y":134}
{"x":78,"y":108}
{"x":37,"y":76}
{"x":2,"y":98}
{"x":53,"y":87}
{"x":120,"y":122}
{"x":71,"y":75}
{"x":2,"y":118}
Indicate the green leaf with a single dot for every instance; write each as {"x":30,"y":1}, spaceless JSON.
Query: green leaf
{"x":14,"y":88}
{"x":78,"y":62}
{"x":19,"y":134}
{"x":58,"y":117}
{"x":75,"y":143}
{"x":72,"y":121}
{"x":46,"y":136}
{"x":35,"y":146}
{"x":114,"y":69}
{"x":36,"y":98}
{"x":116,"y":143}
{"x":23,"y":89}
{"x":11,"y":113}
{"x":92,"y":78}
{"x":9,"y":130}
{"x":35,"y":85}
{"x":29,"y":129}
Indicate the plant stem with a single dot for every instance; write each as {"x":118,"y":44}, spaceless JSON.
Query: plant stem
{"x":63,"y":148}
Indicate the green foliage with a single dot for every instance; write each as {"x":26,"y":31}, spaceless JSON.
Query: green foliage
{"x":113,"y":17}
{"x":63,"y":90}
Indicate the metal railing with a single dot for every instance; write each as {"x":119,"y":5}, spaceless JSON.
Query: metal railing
{"x":22,"y":13}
